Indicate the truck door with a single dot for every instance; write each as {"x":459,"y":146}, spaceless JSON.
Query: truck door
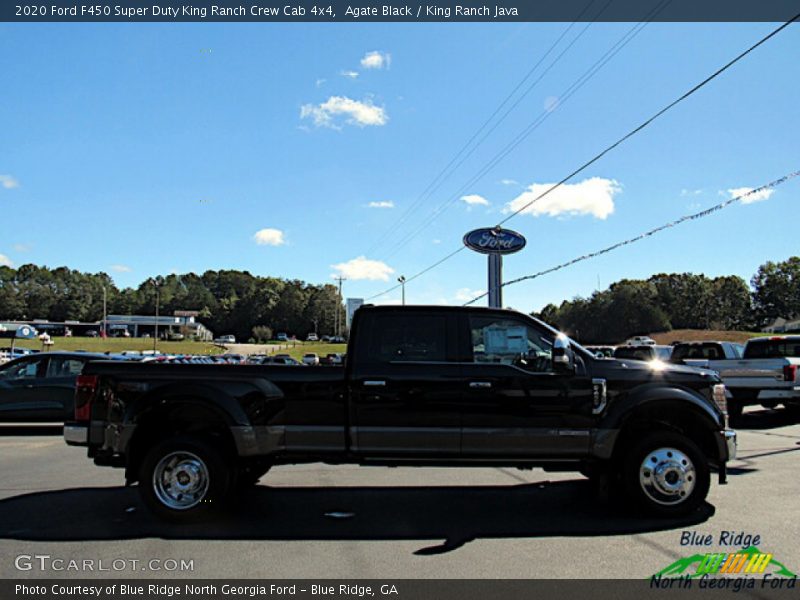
{"x":516,"y":403}
{"x":405,"y":394}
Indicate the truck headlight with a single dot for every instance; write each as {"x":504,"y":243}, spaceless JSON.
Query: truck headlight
{"x":720,"y":398}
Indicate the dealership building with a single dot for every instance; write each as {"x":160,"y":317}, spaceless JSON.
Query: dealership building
{"x":183,"y":323}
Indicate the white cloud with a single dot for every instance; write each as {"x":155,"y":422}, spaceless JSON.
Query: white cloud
{"x":376,"y":60}
{"x":5,"y":261}
{"x":551,"y":103}
{"x":594,"y":196}
{"x":757,"y":197}
{"x":685,"y":192}
{"x":437,"y":241}
{"x":475,"y":200}
{"x":121,"y":268}
{"x":8,"y":182}
{"x":363,"y":268}
{"x":269,"y":237}
{"x":381,"y":204}
{"x":320,"y":82}
{"x":362,"y":114}
{"x":509,"y":182}
{"x":22,"y":247}
{"x":350,"y":74}
{"x":466,"y":294}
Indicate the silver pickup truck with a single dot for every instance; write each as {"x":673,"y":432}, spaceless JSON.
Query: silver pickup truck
{"x":766,"y":374}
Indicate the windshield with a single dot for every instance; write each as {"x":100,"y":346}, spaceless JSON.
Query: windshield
{"x":773,"y":349}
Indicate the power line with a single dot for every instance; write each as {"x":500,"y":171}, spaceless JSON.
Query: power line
{"x":636,"y":130}
{"x":420,"y":274}
{"x":446,"y":172}
{"x":646,"y":234}
{"x":621,"y":140}
{"x":525,"y":133}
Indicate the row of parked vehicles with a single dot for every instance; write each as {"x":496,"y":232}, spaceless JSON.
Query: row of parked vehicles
{"x":762,"y":371}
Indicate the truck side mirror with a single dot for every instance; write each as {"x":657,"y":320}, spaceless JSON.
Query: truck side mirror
{"x":563,"y":355}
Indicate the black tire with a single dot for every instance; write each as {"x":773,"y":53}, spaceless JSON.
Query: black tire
{"x":678,"y":479}
{"x":184,"y":479}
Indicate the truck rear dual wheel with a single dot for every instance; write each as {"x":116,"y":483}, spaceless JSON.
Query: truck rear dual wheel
{"x":665,"y":474}
{"x":184,"y":478}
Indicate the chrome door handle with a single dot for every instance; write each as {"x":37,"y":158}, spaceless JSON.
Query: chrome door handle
{"x":480,"y":385}
{"x":374,"y":383}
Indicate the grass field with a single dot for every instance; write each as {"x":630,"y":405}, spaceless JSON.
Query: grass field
{"x":699,"y":335}
{"x":115,"y":345}
{"x":319,"y":348}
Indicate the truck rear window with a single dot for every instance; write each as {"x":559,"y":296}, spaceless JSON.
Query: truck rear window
{"x":772,"y":349}
{"x":403,"y":338}
{"x":690,"y":351}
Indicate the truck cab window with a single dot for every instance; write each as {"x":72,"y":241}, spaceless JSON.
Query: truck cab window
{"x":510,"y":342}
{"x":408,"y":338}
{"x":23,"y":370}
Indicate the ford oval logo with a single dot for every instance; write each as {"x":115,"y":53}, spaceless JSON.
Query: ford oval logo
{"x":494,"y":241}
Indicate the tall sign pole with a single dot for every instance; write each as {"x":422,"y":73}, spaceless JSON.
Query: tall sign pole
{"x":494,"y":242}
{"x":495,"y":280}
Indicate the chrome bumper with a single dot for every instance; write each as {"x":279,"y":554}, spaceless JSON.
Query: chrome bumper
{"x":729,"y":435}
{"x":76,"y":435}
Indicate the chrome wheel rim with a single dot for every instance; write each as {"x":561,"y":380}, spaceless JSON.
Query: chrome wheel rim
{"x":667,"y":476}
{"x":180,"y":480}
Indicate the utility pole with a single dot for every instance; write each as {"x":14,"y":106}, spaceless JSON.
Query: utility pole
{"x":340,"y":279}
{"x":105,"y":305}
{"x":402,"y":280}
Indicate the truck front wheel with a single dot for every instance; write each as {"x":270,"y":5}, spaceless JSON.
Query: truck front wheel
{"x":666,"y":474}
{"x":184,"y":478}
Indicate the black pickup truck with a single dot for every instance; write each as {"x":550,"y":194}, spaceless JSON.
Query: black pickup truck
{"x":421,"y":386}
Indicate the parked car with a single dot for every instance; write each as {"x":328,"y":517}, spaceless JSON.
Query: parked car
{"x":311,"y":359}
{"x":422,"y":385}
{"x":225,"y":339}
{"x":235,"y":359}
{"x":766,"y":374}
{"x":41,"y":387}
{"x":602,"y":351}
{"x":92,"y":333}
{"x":312,"y":337}
{"x":644,"y":352}
{"x":281,"y":360}
{"x":640,"y":340}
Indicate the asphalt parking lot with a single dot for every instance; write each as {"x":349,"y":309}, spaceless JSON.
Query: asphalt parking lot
{"x":348,"y":522}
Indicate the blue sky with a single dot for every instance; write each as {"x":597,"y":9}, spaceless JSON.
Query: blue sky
{"x":144,"y":149}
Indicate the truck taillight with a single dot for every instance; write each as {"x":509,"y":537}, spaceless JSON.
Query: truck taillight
{"x":789,"y":372}
{"x":85,"y":389}
{"x":718,"y":395}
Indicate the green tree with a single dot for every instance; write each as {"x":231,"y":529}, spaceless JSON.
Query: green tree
{"x":776,"y":290}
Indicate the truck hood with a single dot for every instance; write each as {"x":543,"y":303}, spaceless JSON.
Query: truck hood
{"x":642,"y":371}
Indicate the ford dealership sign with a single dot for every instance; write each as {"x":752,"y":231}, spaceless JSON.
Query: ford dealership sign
{"x":494,"y":241}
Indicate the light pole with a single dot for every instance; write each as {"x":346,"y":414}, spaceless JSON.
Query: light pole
{"x":158,"y":300}
{"x":105,"y":305}
{"x":402,"y":280}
